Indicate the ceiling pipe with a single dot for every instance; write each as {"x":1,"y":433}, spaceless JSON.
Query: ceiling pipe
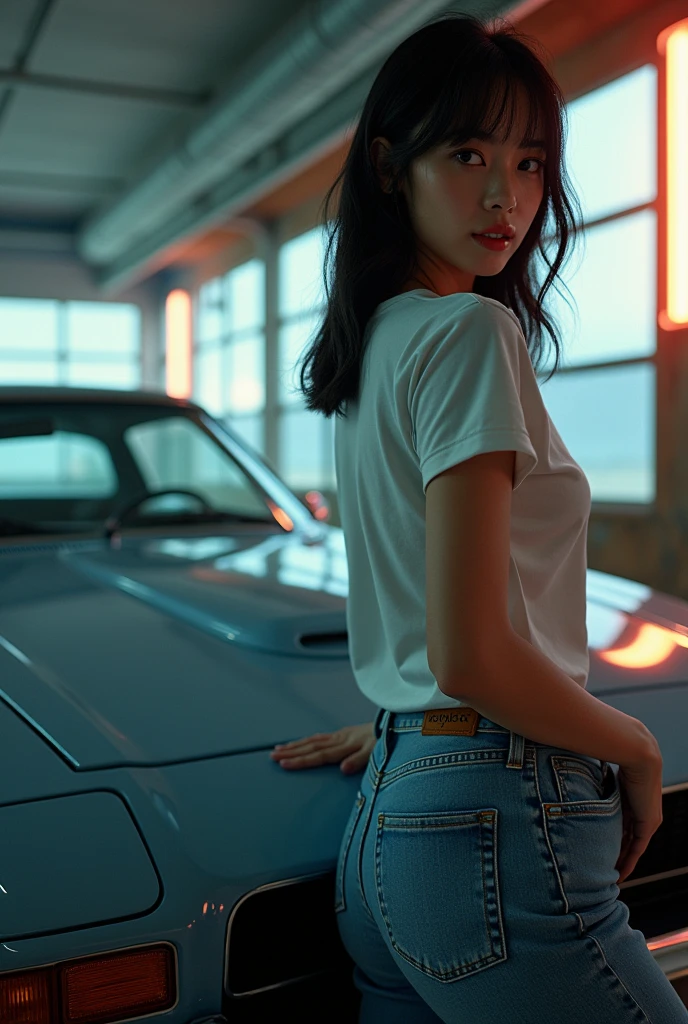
{"x":312,"y":58}
{"x":324,"y":50}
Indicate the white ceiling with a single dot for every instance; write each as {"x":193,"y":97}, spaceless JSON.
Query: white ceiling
{"x":89,"y":88}
{"x":129,"y":125}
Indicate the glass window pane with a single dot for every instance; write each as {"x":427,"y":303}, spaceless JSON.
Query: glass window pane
{"x":174,"y":452}
{"x":611,"y":152}
{"x":606,"y":419}
{"x":40,"y":370}
{"x":245,"y":385}
{"x":249,"y":429}
{"x":208,"y":389}
{"x":28,"y":324}
{"x":292,"y":341}
{"x":111,"y":327}
{"x":612,"y":279}
{"x":301,"y":445}
{"x":301,"y":272}
{"x":209,"y":311}
{"x":121,"y":375}
{"x":245,"y":296}
{"x":62,"y":465}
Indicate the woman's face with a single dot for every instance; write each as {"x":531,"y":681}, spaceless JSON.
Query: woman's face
{"x":460,"y":191}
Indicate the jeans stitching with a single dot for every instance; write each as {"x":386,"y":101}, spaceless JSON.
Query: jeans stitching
{"x":340,"y":903}
{"x":604,"y":808}
{"x":417,"y":728}
{"x":645,"y":1018}
{"x":382,"y":779}
{"x":563,"y":787}
{"x":462,"y":970}
{"x":359,"y":856}
{"x":441,"y":761}
{"x":553,"y":860}
{"x":374,"y":775}
{"x":576,"y":765}
{"x":517,"y":751}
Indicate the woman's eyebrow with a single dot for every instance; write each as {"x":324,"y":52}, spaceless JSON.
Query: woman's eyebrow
{"x":527,"y":144}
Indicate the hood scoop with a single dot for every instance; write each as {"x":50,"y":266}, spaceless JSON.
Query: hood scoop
{"x":276,"y":625}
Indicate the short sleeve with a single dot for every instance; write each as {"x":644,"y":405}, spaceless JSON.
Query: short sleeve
{"x":465,"y":391}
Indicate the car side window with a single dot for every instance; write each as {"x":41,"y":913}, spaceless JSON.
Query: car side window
{"x":175,"y":452}
{"x":60,"y":465}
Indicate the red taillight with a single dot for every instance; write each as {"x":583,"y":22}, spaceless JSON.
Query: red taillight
{"x":26,"y":998}
{"x":93,"y":990}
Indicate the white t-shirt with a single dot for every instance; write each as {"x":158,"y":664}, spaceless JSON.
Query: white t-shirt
{"x":443,"y":379}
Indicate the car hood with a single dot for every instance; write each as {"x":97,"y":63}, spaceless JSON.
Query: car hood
{"x":170,"y":649}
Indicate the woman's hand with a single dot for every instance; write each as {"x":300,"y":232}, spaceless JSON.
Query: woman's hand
{"x":350,"y":747}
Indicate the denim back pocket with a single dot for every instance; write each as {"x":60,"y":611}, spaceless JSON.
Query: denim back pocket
{"x":573,"y":776}
{"x":339,"y":898}
{"x":437,"y":884}
{"x":584,"y":828}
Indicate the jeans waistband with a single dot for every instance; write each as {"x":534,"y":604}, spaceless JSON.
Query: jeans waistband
{"x":404,"y":721}
{"x":387,"y":722}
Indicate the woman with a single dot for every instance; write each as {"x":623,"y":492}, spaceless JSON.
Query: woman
{"x":477,"y":876}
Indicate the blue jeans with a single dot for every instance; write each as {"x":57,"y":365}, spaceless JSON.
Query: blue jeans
{"x":476,"y":885}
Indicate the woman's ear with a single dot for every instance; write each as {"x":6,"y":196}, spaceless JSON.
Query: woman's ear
{"x":379,"y":154}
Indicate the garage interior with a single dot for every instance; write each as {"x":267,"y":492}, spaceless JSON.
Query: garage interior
{"x":161,"y":146}
{"x":163,"y":169}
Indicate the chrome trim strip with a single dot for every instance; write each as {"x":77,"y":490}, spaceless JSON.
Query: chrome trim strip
{"x":262,"y":888}
{"x":663,"y":936}
{"x":672,"y":959}
{"x":653,"y":878}
{"x":271,"y":988}
{"x":674,"y":789}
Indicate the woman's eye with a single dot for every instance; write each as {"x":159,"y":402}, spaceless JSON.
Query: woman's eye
{"x":472,"y":152}
{"x":465,"y":152}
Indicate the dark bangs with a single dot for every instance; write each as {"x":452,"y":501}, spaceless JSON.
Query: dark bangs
{"x":455,"y":79}
{"x":479,"y":101}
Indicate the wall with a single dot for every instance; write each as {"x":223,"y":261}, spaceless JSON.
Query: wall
{"x":591,"y":44}
{"x":32,"y":270}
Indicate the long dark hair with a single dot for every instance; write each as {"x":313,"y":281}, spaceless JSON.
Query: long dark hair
{"x":439,"y":86}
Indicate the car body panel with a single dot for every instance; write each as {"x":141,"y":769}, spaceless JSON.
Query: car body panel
{"x":144,"y":680}
{"x":184,"y":674}
{"x":216,"y":829}
{"x":664,"y":710}
{"x":218,"y":642}
{"x":72,"y":861}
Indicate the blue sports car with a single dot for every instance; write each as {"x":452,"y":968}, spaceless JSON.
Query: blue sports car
{"x":169,"y":611}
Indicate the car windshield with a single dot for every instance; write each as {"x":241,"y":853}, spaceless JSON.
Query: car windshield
{"x":67,"y":466}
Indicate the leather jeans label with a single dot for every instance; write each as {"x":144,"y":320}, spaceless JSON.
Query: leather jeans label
{"x":450,"y":722}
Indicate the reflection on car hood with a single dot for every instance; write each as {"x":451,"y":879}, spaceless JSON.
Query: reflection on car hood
{"x":179,"y":648}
